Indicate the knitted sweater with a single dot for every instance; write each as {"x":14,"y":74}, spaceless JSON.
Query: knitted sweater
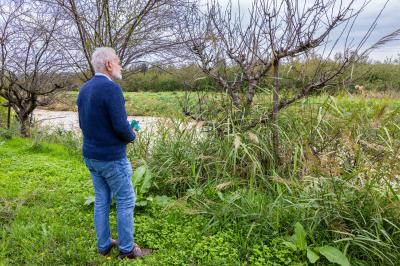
{"x":103,"y":120}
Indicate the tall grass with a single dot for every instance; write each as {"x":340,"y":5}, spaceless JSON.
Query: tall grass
{"x":338,"y":177}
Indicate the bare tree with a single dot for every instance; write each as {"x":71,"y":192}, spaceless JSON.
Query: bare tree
{"x":136,"y":29}
{"x":240,"y":50}
{"x":31,"y":60}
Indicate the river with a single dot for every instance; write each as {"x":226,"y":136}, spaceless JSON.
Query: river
{"x":68,"y":120}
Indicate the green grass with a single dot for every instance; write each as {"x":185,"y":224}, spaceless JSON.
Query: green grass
{"x":137,"y":103}
{"x":168,"y":104}
{"x":43,"y":219}
{"x":234,"y":205}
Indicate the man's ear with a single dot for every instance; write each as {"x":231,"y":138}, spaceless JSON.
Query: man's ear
{"x":108,"y":66}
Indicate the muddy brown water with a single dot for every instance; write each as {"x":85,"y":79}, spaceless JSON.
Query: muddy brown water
{"x":68,"y":120}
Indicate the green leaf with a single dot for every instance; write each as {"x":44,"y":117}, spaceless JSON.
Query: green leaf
{"x":138,"y":175}
{"x":220,"y":196}
{"x":148,"y":177}
{"x":312,"y":256}
{"x":334,"y":255}
{"x":162,"y":200}
{"x":89,"y":200}
{"x":290,"y":245}
{"x":141,"y":203}
{"x":300,"y":236}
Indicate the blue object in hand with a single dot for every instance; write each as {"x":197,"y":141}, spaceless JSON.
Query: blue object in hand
{"x":135,"y":125}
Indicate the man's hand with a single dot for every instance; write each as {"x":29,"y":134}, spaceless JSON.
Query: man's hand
{"x":135,"y":125}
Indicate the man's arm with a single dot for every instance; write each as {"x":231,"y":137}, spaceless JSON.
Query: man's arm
{"x":115,"y":104}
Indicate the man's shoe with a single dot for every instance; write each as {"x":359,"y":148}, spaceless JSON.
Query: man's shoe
{"x":136,"y":252}
{"x":114,"y":243}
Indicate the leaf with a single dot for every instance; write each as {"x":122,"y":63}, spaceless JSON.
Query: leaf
{"x":290,"y":245}
{"x":237,"y":141}
{"x":253,"y":137}
{"x":334,"y":255}
{"x":162,"y":200}
{"x":300,"y":236}
{"x":148,"y":177}
{"x":89,"y":200}
{"x":138,"y":175}
{"x":141,"y":203}
{"x":220,"y":195}
{"x":312,"y":256}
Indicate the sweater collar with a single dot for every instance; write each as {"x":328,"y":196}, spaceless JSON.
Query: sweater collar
{"x":98,"y":74}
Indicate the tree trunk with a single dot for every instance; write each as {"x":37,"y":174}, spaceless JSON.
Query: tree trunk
{"x":275,"y":111}
{"x":250,"y":93}
{"x":24,"y":124}
{"x":24,"y":128}
{"x":234,"y":97}
{"x":9,"y":115}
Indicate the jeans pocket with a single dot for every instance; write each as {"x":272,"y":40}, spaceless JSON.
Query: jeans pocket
{"x":106,"y":169}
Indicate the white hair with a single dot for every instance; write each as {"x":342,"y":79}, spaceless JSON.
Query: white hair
{"x":101,"y":56}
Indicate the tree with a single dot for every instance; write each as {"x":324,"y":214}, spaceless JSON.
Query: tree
{"x":136,"y":29}
{"x":31,"y":61}
{"x":241,"y":50}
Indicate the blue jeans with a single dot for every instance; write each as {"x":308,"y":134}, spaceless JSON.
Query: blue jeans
{"x":113,"y":178}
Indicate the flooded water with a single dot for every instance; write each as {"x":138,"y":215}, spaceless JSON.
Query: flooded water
{"x":69,"y":120}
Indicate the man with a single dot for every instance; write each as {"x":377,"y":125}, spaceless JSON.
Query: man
{"x":106,"y":132}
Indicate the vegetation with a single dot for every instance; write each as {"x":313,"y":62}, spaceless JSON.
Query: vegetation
{"x":213,"y":198}
{"x":170,"y":78}
{"x":249,"y":164}
{"x":44,"y":220}
{"x":3,"y":113}
{"x":166,"y":104}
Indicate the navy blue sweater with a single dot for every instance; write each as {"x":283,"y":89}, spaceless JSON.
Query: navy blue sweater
{"x":103,"y":120}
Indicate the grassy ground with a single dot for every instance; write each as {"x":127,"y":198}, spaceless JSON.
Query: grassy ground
{"x":137,"y":103}
{"x":335,"y":192}
{"x":43,"y":219}
{"x":169,"y":103}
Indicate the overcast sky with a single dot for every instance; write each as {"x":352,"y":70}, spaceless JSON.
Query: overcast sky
{"x":388,"y":22}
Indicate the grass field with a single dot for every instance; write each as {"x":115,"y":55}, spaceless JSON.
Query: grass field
{"x":334,"y":196}
{"x":137,"y":103}
{"x":44,"y":221}
{"x":169,"y":103}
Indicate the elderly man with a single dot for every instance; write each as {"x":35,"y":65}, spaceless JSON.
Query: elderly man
{"x":106,"y":132}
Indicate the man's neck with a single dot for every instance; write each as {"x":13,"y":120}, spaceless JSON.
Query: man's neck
{"x":103,"y":74}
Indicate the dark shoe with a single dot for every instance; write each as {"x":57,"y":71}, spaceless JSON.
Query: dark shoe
{"x":136,"y":252}
{"x":114,"y":243}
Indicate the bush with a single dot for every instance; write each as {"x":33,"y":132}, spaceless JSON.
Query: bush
{"x":173,"y":79}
